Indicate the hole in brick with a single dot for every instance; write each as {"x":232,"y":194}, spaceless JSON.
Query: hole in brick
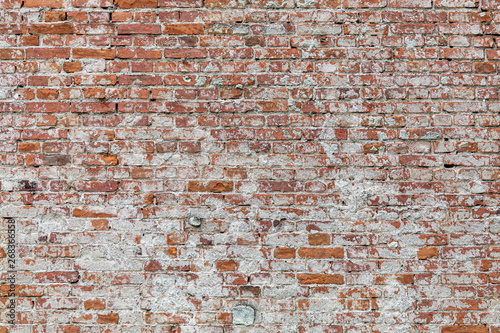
{"x":277,"y":224}
{"x":195,"y":221}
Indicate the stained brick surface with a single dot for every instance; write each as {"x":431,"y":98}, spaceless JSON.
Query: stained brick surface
{"x":342,"y":157}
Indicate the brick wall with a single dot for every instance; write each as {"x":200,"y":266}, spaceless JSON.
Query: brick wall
{"x":331,"y":165}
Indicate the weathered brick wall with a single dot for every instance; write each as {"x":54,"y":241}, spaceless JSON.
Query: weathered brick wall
{"x":340,"y":155}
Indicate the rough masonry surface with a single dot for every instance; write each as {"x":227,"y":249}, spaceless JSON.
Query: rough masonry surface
{"x":333,"y":165}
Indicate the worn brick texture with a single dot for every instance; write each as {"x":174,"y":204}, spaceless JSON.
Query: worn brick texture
{"x":341,"y":156}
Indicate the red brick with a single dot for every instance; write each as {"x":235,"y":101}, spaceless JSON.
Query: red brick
{"x":321,"y":253}
{"x":93,"y":53}
{"x":29,"y":147}
{"x":127,"y":4}
{"x":48,"y":53}
{"x":236,"y":173}
{"x":71,"y":67}
{"x":222,"y":4}
{"x":51,"y":28}
{"x":96,"y":186}
{"x":95,"y":79}
{"x":183,"y":29}
{"x":320,"y":278}
{"x":138,"y":54}
{"x":44,"y":3}
{"x":181,"y":3}
{"x":319,"y":239}
{"x":484,"y":67}
{"x":215,"y":186}
{"x":126,"y":29}
{"x":410,"y":4}
{"x":92,"y":3}
{"x":185,"y":53}
{"x":428,"y":252}
{"x":364,"y":3}
{"x":57,"y":277}
{"x":95,"y":213}
{"x":153,"y":266}
{"x":464,"y":329}
{"x":30,"y":40}
{"x":225,"y":265}
{"x":48,"y":160}
{"x":284,"y":253}
{"x":8,"y":4}
{"x":6,"y":54}
{"x":94,"y":304}
{"x":109,"y":318}
{"x":54,"y":16}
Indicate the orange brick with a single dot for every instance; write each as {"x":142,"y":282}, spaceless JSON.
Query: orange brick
{"x":127,"y":4}
{"x":215,"y":186}
{"x":183,"y":29}
{"x":319,"y":239}
{"x":320,"y":278}
{"x":94,"y":304}
{"x":94,"y":53}
{"x":428,"y":252}
{"x":225,"y":265}
{"x":284,"y":253}
{"x":321,"y":253}
{"x":464,"y":329}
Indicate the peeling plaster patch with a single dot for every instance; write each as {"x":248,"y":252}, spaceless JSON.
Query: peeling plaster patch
{"x":52,"y":223}
{"x":493,"y":313}
{"x":396,"y":303}
{"x":200,"y":81}
{"x":310,"y":44}
{"x":217,"y":81}
{"x":95,"y":66}
{"x":310,"y":81}
{"x":411,"y":43}
{"x":330,"y":149}
{"x":356,"y":191}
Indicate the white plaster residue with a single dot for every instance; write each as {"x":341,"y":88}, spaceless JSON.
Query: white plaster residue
{"x":217,"y":81}
{"x":395,"y":305}
{"x":309,"y":44}
{"x":272,"y":5}
{"x":331,"y":149}
{"x":493,"y":313}
{"x":201,"y":80}
{"x":355,"y":193}
{"x":284,"y":79}
{"x":411,"y":44}
{"x":307,"y":3}
{"x":52,"y":223}
{"x":310,"y":81}
{"x":95,"y":66}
